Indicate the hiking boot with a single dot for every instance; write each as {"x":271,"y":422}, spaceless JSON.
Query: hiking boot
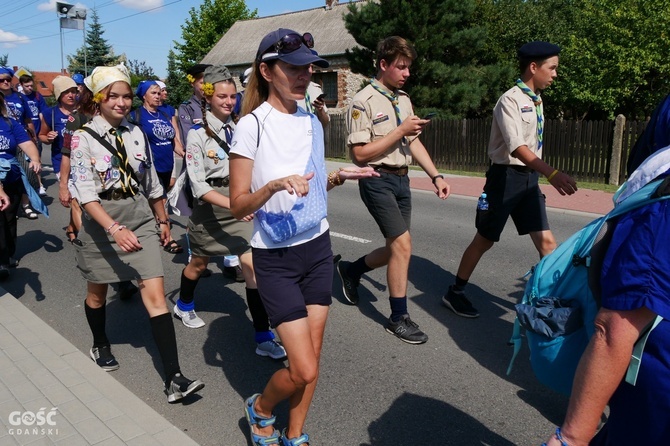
{"x":127,"y":290}
{"x":104,"y":358}
{"x":271,"y":348}
{"x":180,"y":387}
{"x":349,"y":285}
{"x":188,"y":318}
{"x":406,"y":330}
{"x":234,"y":273}
{"x":459,"y":304}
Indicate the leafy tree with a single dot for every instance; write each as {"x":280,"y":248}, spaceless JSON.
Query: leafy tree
{"x":452,"y":73}
{"x":3,"y":60}
{"x":202,"y":30}
{"x":95,"y":51}
{"x":177,"y":87}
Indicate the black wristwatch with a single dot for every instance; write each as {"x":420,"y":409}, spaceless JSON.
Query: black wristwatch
{"x":436,"y":177}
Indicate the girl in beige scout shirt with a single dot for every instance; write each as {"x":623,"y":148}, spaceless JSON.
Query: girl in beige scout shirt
{"x":119,"y":234}
{"x":212,"y":229}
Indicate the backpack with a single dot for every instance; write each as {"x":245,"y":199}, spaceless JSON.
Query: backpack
{"x":562,"y":296}
{"x":654,"y":137}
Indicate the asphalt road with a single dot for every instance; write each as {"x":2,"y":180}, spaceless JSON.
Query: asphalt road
{"x":373,"y":388}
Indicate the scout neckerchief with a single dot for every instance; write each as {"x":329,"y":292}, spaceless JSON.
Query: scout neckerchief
{"x":308,"y":104}
{"x":120,"y":156}
{"x":538,"y":110}
{"x":394,"y":100}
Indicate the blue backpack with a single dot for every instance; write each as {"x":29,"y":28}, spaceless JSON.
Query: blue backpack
{"x":562,"y":297}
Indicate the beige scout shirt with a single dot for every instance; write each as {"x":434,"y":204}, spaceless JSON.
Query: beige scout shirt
{"x":514,"y":125}
{"x":91,"y":170}
{"x":371,"y":117}
{"x":204,"y":158}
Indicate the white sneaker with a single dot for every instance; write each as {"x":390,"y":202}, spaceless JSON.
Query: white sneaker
{"x":42,"y":191}
{"x":272,"y":348}
{"x":188,"y":318}
{"x":47,"y":168}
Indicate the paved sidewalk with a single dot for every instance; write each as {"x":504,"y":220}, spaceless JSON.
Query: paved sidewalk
{"x":40,"y":370}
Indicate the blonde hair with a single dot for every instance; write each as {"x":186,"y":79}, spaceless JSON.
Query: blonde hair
{"x":257,"y":90}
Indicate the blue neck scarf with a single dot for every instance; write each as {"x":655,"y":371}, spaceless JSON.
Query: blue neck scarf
{"x":539,"y":110}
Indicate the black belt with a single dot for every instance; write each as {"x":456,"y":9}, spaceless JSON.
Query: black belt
{"x":117,"y":194}
{"x":400,"y":171}
{"x":218,"y":182}
{"x":524,"y":169}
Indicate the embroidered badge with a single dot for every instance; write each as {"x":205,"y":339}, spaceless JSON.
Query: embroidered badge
{"x":526,"y":109}
{"x":380,"y":120}
{"x":379,"y":115}
{"x":358,"y":107}
{"x":78,"y":154}
{"x":83,"y":177}
{"x":141,"y":169}
{"x":70,"y":118}
{"x":355,"y":114}
{"x":74,"y":142}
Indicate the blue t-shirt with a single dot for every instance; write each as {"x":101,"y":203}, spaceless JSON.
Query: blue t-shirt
{"x":160,"y":134}
{"x":54,"y":116}
{"x":12,"y":134}
{"x":17,"y":107}
{"x":37,"y":105}
{"x":636,"y":273}
{"x":168,"y":110}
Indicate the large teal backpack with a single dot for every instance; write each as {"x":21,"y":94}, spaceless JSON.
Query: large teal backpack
{"x":562,"y":297}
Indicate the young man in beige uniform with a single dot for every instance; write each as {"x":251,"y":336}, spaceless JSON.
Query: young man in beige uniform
{"x":383,"y":133}
{"x":512,"y":189}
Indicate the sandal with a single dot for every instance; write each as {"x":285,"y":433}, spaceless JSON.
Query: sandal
{"x":72,"y":237}
{"x":173,"y":247}
{"x":303,"y":439}
{"x":254,"y":419}
{"x":29,"y":212}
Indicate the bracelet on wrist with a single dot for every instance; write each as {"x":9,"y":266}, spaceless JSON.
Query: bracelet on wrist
{"x":334,"y":178}
{"x":436,"y":177}
{"x":162,"y":222}
{"x":552,"y":175}
{"x":111,"y":226}
{"x":119,"y":228}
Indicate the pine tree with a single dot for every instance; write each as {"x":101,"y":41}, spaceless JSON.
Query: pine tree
{"x":98,"y":51}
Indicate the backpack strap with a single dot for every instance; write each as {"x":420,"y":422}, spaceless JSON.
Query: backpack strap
{"x":258,"y":132}
{"x":638,"y":350}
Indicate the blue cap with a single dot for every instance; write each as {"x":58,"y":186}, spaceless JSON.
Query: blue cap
{"x":538,"y":50}
{"x":7,"y":70}
{"x":78,"y":78}
{"x":301,"y":56}
{"x":143,"y":87}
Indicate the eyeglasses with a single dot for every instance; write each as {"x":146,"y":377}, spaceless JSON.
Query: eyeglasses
{"x":292,"y":42}
{"x":7,"y":80}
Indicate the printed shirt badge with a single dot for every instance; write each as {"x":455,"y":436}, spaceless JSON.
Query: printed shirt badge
{"x":380,"y":120}
{"x":526,"y":109}
{"x":355,"y":114}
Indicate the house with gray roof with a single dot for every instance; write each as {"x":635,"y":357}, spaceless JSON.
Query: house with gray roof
{"x":237,"y":48}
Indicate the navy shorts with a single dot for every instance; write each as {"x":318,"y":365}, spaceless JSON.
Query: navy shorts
{"x":512,"y":191}
{"x":389,"y":201}
{"x":291,"y":278}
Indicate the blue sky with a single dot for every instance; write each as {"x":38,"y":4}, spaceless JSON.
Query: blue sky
{"x":142,"y":29}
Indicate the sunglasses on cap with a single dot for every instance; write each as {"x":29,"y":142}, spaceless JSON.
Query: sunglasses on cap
{"x":292,"y":42}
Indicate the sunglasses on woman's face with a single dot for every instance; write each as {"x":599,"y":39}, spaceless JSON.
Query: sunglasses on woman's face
{"x":5,"y":79}
{"x":292,"y":42}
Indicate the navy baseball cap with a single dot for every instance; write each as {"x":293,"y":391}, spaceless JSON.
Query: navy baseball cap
{"x":538,"y":50}
{"x":290,"y":47}
{"x":78,"y":78}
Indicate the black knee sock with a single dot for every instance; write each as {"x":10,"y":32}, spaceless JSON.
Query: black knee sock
{"x":162,"y":329}
{"x":187,"y":289}
{"x":358,"y":268}
{"x":259,"y":316}
{"x":96,"y":320}
{"x":459,"y":284}
{"x":398,"y":307}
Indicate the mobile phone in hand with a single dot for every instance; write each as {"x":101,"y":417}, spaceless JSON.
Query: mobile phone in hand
{"x":430,"y":115}
{"x":321,"y":97}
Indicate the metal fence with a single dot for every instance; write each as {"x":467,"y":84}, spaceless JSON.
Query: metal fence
{"x":583,"y":149}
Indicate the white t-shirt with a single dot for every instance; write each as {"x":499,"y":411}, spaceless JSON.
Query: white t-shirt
{"x":284,"y":149}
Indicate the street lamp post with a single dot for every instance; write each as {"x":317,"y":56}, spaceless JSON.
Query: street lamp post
{"x":71,"y":17}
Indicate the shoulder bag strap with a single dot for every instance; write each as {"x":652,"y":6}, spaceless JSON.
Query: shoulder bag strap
{"x":110,"y":148}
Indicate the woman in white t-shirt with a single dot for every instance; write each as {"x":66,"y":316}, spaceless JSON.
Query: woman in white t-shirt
{"x":277,"y":171}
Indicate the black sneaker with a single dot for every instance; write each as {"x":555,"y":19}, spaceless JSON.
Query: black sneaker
{"x":181,"y":387}
{"x":127,"y":290}
{"x":234,"y":273}
{"x":406,"y":330}
{"x":349,"y":285}
{"x":104,"y":358}
{"x":459,"y":304}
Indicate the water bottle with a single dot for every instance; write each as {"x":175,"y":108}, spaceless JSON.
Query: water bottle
{"x":483,"y":202}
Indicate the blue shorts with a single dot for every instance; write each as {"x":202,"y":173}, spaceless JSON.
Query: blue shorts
{"x":291,"y":278}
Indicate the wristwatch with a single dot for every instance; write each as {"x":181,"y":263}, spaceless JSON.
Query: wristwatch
{"x":436,"y":177}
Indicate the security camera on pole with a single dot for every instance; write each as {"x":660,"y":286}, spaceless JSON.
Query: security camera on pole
{"x":71,"y":17}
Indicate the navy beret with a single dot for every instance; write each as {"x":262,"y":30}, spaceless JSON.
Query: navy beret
{"x":197,"y":69}
{"x":538,"y":50}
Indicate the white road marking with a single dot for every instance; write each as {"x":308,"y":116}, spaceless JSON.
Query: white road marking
{"x":349,"y":237}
